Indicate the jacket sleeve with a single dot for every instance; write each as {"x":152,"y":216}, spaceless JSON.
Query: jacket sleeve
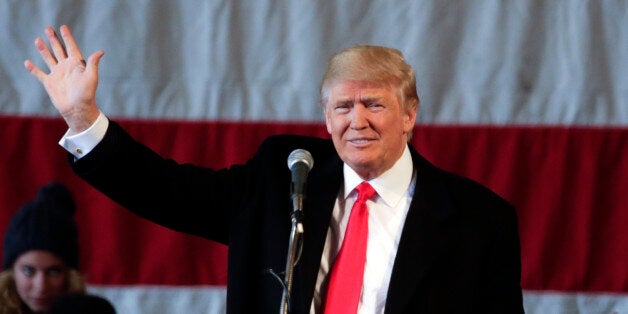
{"x":177,"y":196}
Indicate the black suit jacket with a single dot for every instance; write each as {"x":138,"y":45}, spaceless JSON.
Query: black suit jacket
{"x":459,"y":251}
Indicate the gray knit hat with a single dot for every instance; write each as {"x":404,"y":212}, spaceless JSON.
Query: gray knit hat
{"x":45,"y":223}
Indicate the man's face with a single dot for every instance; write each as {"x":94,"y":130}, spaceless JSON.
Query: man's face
{"x":368,"y":125}
{"x":40,"y":279}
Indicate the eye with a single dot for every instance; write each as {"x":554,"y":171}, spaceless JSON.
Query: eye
{"x":342,"y":107}
{"x":54,"y":272}
{"x":375,"y":106}
{"x":28,"y":271}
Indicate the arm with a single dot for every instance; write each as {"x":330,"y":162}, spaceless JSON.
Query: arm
{"x":160,"y":190}
{"x":72,"y":82}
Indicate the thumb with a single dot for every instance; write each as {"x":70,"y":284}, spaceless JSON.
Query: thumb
{"x":94,"y":60}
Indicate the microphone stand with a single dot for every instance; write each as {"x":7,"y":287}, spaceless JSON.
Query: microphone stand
{"x":295,"y":235}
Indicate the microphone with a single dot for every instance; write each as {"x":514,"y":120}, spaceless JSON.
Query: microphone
{"x":300,"y":162}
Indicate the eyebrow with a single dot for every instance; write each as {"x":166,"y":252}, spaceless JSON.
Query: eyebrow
{"x":51,"y":267}
{"x":366,"y":99}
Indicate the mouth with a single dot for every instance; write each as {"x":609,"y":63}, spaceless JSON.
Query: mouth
{"x":360,"y":141}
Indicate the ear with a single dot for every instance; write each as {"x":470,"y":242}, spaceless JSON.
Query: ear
{"x":409,"y":119}
{"x":327,"y":119}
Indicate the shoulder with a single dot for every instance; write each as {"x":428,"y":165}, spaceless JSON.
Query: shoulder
{"x":465,"y":189}
{"x":457,"y":193}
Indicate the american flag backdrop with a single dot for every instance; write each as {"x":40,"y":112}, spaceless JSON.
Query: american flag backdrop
{"x":529,"y":98}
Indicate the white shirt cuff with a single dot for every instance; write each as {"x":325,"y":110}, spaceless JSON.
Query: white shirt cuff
{"x":82,"y":143}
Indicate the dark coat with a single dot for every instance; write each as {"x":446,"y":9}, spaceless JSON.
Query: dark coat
{"x":459,"y":251}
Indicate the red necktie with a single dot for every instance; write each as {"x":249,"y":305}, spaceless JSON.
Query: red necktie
{"x":347,"y":273}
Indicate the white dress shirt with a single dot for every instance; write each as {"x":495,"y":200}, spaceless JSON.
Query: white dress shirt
{"x":387,"y":214}
{"x":81,"y":144}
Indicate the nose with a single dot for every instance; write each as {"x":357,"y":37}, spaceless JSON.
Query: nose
{"x":40,"y":283}
{"x":359,"y":118}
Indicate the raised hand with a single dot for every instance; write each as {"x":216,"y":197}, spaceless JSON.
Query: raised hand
{"x":72,"y":82}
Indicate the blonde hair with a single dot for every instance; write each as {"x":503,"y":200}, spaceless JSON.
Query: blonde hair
{"x":374,"y":64}
{"x":10,"y":302}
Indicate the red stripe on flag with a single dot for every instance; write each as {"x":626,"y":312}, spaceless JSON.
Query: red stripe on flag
{"x":568,"y":185}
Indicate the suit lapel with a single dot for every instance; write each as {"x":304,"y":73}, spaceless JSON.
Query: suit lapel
{"x":423,"y":237}
{"x":324,"y":183}
{"x":422,"y":241}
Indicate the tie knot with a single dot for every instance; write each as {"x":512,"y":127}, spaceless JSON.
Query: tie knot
{"x":365,"y":191}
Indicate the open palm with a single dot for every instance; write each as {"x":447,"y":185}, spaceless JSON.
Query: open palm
{"x":72,"y":82}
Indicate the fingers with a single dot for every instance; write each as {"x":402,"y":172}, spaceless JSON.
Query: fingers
{"x":57,"y":52}
{"x":60,"y":52}
{"x":34,"y":70}
{"x":55,"y":44}
{"x":70,"y":43}
{"x":45,"y":52}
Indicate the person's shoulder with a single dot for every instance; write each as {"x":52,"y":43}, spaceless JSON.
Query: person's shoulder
{"x":463,"y":192}
{"x":469,"y":189}
{"x":471,"y":201}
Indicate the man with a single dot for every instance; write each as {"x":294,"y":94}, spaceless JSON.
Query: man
{"x":435,"y":242}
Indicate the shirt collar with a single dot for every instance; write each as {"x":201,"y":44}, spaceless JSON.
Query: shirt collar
{"x":391,"y":185}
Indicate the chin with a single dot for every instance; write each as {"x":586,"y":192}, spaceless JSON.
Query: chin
{"x":39,"y":306}
{"x":362,"y":167}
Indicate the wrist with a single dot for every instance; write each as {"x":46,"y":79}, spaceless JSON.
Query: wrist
{"x":80,"y":121}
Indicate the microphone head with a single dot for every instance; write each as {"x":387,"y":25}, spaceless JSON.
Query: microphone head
{"x":300,"y":155}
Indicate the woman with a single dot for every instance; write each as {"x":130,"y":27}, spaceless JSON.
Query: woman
{"x":40,"y":253}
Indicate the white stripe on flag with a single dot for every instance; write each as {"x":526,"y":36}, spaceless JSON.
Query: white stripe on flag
{"x":211,"y":299}
{"x":518,"y":62}
{"x":164,"y":299}
{"x":537,"y":302}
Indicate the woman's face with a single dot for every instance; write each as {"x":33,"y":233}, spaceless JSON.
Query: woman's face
{"x":40,"y":278}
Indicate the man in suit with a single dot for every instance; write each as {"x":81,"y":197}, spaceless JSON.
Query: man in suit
{"x":435,"y":242}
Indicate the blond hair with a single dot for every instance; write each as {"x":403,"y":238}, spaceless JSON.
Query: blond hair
{"x":374,"y":64}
